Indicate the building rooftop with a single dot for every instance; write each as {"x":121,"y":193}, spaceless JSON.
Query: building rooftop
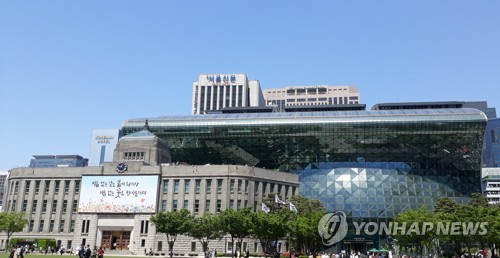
{"x":406,"y":115}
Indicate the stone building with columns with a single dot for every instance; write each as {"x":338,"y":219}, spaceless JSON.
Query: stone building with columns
{"x":111,"y":205}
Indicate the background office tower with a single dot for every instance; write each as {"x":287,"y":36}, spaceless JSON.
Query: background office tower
{"x":213,"y":92}
{"x":491,"y":152}
{"x":102,"y":145}
{"x":311,"y":95}
{"x":50,"y":161}
{"x":3,"y":179}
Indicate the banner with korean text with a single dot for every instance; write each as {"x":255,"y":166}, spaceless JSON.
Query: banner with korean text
{"x":118,"y":194}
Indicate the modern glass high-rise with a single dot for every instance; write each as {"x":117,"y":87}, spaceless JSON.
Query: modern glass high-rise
{"x":491,"y":154}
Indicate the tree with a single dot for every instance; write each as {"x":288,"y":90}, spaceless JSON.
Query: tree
{"x":304,"y":224}
{"x":238,"y":224}
{"x":269,"y":228}
{"x":416,"y":228}
{"x":206,"y":228}
{"x":11,"y":222}
{"x":172,"y":224}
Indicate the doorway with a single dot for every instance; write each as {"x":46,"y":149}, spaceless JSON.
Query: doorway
{"x":115,"y":240}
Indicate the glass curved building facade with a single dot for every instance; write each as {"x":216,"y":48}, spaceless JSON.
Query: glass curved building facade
{"x":367,"y":163}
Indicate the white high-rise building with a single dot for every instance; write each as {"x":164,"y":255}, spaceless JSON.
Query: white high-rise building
{"x":213,"y":92}
{"x":103,"y":145}
{"x":311,"y":95}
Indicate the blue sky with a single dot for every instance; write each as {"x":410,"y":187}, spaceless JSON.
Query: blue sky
{"x":67,"y":67}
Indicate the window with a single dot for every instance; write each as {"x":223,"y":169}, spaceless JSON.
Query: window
{"x":186,"y":204}
{"x":85,"y":226}
{"x":61,"y":226}
{"x":47,"y":187}
{"x":246,"y":186}
{"x":197,"y":184}
{"x":143,"y":242}
{"x":27,"y":187}
{"x":160,"y":246}
{"x":193,"y":246}
{"x":65,"y":206}
{"x":186,"y":185}
{"x":209,"y":185}
{"x":174,"y":205}
{"x":239,"y":185}
{"x":219,"y":185}
{"x":72,"y":226}
{"x":164,"y":205}
{"x":66,"y":186}
{"x":219,"y":205}
{"x":196,"y":206}
{"x":165,"y":186}
{"x":176,"y":186}
{"x":51,"y":226}
{"x":33,"y":207}
{"x":54,"y":206}
{"x":37,"y":186}
{"x":256,"y":187}
{"x":239,"y":204}
{"x":74,"y":207}
{"x":57,"y":183}
{"x":231,"y":186}
{"x":77,"y":186}
{"x":40,"y":227}
{"x":231,"y":204}
{"x":137,"y":155}
{"x":25,"y":205}
{"x":207,"y":205}
{"x":32,"y":223}
{"x":44,"y":206}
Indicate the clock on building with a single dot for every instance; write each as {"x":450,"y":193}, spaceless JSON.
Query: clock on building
{"x":121,"y":167}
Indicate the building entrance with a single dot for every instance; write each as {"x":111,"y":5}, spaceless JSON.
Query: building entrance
{"x":116,"y":240}
{"x":358,"y":246}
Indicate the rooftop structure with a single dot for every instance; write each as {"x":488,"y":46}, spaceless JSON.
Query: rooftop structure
{"x":313,"y":95}
{"x":44,"y":161}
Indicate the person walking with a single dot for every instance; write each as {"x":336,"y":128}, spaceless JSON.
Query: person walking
{"x":100,"y":253}
{"x":88,"y":252}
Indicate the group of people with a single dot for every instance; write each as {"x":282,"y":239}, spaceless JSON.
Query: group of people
{"x":211,"y":253}
{"x":87,"y":252}
{"x":18,"y":252}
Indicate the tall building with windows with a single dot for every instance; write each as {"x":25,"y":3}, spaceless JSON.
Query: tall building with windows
{"x":491,"y":184}
{"x":214,"y":92}
{"x":3,"y":179}
{"x":102,"y":145}
{"x":311,"y":96}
